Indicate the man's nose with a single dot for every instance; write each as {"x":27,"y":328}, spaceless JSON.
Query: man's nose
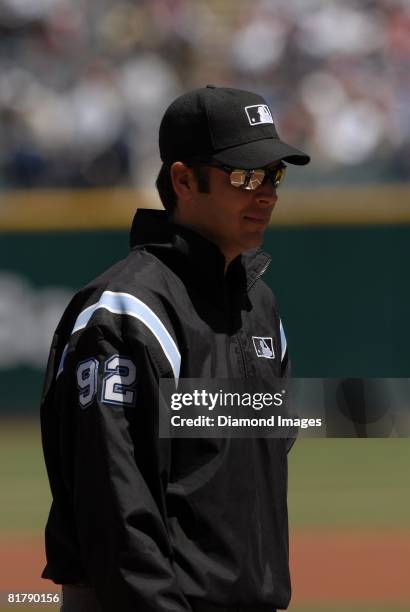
{"x":266,"y":195}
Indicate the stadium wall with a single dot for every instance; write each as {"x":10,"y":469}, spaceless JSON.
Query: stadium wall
{"x":341,"y":281}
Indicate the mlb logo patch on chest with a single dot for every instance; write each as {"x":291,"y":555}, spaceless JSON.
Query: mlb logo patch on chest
{"x":264,"y":347}
{"x":258,"y":114}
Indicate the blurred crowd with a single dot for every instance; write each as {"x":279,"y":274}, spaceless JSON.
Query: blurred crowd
{"x":83,"y":83}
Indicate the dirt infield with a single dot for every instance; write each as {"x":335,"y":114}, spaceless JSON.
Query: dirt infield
{"x":351,"y":566}
{"x":327,"y":566}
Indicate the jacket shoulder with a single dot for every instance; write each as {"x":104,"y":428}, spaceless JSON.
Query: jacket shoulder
{"x":122,"y":304}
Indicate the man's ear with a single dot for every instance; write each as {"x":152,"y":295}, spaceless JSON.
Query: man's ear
{"x":183,"y":180}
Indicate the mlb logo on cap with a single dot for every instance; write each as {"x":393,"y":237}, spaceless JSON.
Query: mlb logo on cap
{"x":263,"y":347}
{"x":258,"y":114}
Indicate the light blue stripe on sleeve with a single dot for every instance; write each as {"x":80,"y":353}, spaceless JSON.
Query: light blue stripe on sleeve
{"x":126,"y":304}
{"x":283,"y":342}
{"x":85,"y":316}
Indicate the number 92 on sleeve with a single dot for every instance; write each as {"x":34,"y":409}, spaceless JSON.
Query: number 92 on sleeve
{"x":117,"y":383}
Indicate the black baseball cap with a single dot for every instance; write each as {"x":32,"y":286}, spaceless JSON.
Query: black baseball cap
{"x":232,"y":126}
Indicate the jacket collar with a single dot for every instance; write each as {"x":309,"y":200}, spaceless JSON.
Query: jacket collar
{"x":188,"y":250}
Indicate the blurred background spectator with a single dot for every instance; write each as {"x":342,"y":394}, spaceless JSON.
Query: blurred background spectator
{"x":83,"y":83}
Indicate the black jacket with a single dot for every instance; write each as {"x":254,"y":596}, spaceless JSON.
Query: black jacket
{"x":155,"y":525}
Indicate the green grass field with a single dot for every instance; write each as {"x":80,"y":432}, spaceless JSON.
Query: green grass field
{"x":332,"y":483}
{"x":25,"y":492}
{"x":350,"y":483}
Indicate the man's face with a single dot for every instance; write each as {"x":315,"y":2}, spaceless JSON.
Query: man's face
{"x":234,"y":218}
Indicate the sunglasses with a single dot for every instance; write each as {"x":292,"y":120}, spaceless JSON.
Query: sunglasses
{"x":252,"y":179}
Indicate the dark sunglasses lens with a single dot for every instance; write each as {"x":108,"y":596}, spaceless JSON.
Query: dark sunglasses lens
{"x":247,"y":179}
{"x":252,"y":179}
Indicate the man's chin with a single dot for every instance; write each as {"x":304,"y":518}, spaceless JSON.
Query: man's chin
{"x":254,"y":239}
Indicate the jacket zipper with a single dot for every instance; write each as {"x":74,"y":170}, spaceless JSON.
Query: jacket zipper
{"x":257,"y":277}
{"x":262,"y":271}
{"x":243,"y":356}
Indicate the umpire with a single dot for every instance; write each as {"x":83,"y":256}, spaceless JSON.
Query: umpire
{"x":139,"y":523}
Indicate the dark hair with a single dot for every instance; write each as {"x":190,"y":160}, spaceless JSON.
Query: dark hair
{"x":166,"y":190}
